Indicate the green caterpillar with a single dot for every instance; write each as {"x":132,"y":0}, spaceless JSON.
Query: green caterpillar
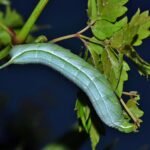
{"x":90,"y":80}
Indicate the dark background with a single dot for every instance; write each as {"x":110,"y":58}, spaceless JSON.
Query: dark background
{"x":37,"y":103}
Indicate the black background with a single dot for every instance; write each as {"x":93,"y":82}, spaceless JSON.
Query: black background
{"x":37,"y":103}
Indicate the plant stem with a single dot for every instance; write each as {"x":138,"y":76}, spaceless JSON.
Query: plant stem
{"x":76,"y":35}
{"x":64,"y":38}
{"x":91,"y":40}
{"x":87,"y":27}
{"x":20,"y":38}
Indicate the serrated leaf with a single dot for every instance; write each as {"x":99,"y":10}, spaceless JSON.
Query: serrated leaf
{"x":115,"y":69}
{"x":103,"y":29}
{"x":110,"y":10}
{"x":94,"y":136}
{"x":133,"y":106}
{"x":95,"y":46}
{"x":143,"y":22}
{"x":123,"y":41}
{"x":142,"y":66}
{"x":123,"y":77}
{"x":124,"y":37}
{"x":83,"y":113}
{"x":134,"y":32}
{"x":106,"y":12}
{"x":95,"y":51}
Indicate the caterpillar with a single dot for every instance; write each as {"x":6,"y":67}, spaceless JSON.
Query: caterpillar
{"x":84,"y":75}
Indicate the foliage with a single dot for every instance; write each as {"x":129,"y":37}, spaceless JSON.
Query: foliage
{"x":10,"y":19}
{"x":114,"y":37}
{"x":132,"y":104}
{"x":118,"y":38}
{"x":84,"y":114}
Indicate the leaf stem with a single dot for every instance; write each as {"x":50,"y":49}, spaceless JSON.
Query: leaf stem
{"x":63,"y":38}
{"x":75,"y":35}
{"x":86,"y":28}
{"x":91,"y":40}
{"x":20,"y":38}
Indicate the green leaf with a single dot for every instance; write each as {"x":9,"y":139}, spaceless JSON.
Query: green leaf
{"x":110,"y":10}
{"x":103,"y":29}
{"x":4,"y":38}
{"x":83,"y":114}
{"x":92,"y":9}
{"x":95,"y":51}
{"x":115,"y":69}
{"x":94,"y":136}
{"x":11,"y":18}
{"x":131,"y":35}
{"x":134,"y":32}
{"x":106,"y":12}
{"x":123,"y":77}
{"x":142,"y":21}
{"x":133,"y":106}
{"x":95,"y":46}
{"x":142,"y":66}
